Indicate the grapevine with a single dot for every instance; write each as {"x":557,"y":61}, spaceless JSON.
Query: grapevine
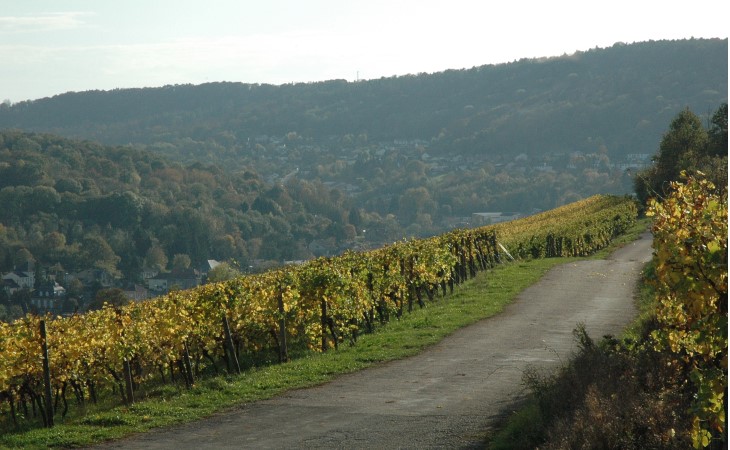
{"x":690,"y":241}
{"x":319,"y":305}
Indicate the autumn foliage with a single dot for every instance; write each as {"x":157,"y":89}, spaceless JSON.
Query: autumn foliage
{"x":690,"y":241}
{"x":316,"y":306}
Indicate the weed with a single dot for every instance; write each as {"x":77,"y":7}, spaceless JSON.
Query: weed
{"x":613,"y":394}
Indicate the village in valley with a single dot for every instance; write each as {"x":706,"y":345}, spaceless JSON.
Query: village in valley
{"x":53,"y":290}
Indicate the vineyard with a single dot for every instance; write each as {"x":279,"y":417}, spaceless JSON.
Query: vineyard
{"x":317,"y":306}
{"x":690,"y":241}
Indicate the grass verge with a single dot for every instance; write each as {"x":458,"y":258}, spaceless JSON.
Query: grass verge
{"x":478,"y":298}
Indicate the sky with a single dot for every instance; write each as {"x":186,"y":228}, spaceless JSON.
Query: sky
{"x":48,"y":47}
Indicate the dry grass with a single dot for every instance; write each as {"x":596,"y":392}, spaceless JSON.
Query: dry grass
{"x":615,"y":394}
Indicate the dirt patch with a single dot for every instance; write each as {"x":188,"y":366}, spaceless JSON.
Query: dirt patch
{"x":446,"y":397}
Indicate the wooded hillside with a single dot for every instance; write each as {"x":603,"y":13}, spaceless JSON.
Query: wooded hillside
{"x":620,"y":97}
{"x":256,"y":173}
{"x":70,"y":206}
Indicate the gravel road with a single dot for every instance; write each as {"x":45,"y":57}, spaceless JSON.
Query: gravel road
{"x":446,"y":397}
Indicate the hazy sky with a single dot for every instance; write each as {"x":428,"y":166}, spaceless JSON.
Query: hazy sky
{"x":48,"y":47}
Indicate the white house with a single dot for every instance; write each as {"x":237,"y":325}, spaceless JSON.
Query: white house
{"x":22,"y":279}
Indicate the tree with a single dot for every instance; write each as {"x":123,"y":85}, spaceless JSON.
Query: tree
{"x":224,"y":246}
{"x":350,"y":232}
{"x":68,"y":185}
{"x":156,"y":258}
{"x":355,"y":217}
{"x":680,"y":147}
{"x":413,"y":202}
{"x":718,"y":132}
{"x":683,"y":147}
{"x":70,"y":305}
{"x":75,"y":288}
{"x":714,"y":163}
{"x":112,"y":296}
{"x":192,"y":235}
{"x":52,"y":247}
{"x":97,"y":253}
{"x":21,"y":298}
{"x":43,"y":198}
{"x":15,"y":312}
{"x":54,"y":241}
{"x":23,"y":256}
{"x":222,"y":272}
{"x":181,"y":261}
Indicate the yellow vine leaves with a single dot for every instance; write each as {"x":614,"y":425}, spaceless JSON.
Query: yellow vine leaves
{"x":690,"y":242}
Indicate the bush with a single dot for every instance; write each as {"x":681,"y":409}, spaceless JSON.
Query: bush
{"x":613,"y":394}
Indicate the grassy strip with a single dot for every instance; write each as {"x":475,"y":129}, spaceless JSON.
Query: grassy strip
{"x":632,"y":234}
{"x":479,"y":298}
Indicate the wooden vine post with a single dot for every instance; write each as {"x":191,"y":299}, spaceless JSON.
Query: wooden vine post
{"x":128,"y":382}
{"x":232,"y":358}
{"x":409,"y":283}
{"x":462,"y":261}
{"x":46,"y":377}
{"x":190,"y":380}
{"x":324,"y":324}
{"x":283,"y":351}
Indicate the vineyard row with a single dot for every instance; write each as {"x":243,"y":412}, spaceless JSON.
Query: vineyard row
{"x":315,"y":306}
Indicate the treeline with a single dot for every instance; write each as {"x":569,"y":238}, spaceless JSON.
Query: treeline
{"x":422,"y":151}
{"x":687,"y":146}
{"x":74,"y":205}
{"x":619,"y":96}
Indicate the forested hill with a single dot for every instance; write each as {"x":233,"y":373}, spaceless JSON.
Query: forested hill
{"x":620,"y":97}
{"x":82,"y":205}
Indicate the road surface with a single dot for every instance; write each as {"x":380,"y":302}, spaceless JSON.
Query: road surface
{"x":446,"y":397}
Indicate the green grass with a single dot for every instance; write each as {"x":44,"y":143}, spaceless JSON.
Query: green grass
{"x":479,"y":298}
{"x":630,"y":235}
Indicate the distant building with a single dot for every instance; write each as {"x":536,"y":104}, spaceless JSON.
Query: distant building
{"x":136,"y":293}
{"x":209,"y":265}
{"x":178,"y":278}
{"x":48,"y":297}
{"x":10,"y":286}
{"x":50,"y":289}
{"x":489,"y":218}
{"x":149,"y":272}
{"x":21,"y":278}
{"x":91,"y":276}
{"x":323,"y":247}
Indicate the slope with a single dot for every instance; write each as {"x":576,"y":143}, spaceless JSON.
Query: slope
{"x":446,"y":397}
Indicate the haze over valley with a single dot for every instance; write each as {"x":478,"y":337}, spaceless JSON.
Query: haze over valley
{"x":257,"y":174}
